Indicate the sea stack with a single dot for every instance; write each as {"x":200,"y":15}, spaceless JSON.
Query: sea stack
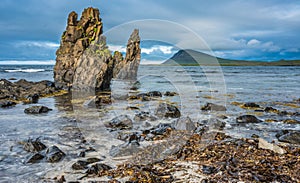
{"x":83,"y":59}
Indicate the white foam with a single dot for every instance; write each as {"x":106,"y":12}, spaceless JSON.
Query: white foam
{"x":25,"y":70}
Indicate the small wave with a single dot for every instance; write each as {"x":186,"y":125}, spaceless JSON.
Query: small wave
{"x":25,"y":70}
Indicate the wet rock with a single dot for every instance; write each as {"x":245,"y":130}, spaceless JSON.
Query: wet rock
{"x":251,"y":105}
{"x":54,"y":154}
{"x":271,"y":110}
{"x":99,"y":167}
{"x":6,"y":103}
{"x":292,"y":137}
{"x":80,"y":165}
{"x":120,"y":122}
{"x":213,"y":107}
{"x":35,"y":158}
{"x":283,"y":113}
{"x":247,"y":119}
{"x":255,"y":136}
{"x":124,"y":149}
{"x":185,"y":123}
{"x":170,"y":94}
{"x":32,"y":99}
{"x":161,"y":129}
{"x":263,"y":144}
{"x":92,"y":160}
{"x":154,"y":94}
{"x":37,"y":110}
{"x":144,"y":116}
{"x":167,"y":110}
{"x":34,"y":145}
{"x":291,"y":121}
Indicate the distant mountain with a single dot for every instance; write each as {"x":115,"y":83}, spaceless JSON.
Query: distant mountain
{"x":192,"y":57}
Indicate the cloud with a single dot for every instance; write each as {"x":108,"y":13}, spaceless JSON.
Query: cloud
{"x":157,"y":48}
{"x":119,"y":48}
{"x":253,"y":42}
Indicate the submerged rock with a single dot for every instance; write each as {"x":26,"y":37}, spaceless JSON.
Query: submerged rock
{"x":213,"y":107}
{"x":54,"y":154}
{"x":167,"y":110}
{"x":184,"y":123}
{"x":37,"y":110}
{"x":120,"y":122}
{"x":247,"y":119}
{"x":124,"y":149}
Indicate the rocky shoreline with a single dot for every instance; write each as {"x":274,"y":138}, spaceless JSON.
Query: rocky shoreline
{"x":179,"y":150}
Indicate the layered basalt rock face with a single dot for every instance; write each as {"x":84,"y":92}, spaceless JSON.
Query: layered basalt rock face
{"x":83,"y":59}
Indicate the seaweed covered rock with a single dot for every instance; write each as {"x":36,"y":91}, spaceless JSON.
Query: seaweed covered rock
{"x":83,"y":60}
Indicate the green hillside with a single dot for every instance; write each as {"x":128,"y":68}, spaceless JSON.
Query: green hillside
{"x":194,"y":58}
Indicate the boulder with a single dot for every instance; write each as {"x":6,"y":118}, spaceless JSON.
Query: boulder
{"x":154,"y":94}
{"x":263,"y":144}
{"x":167,"y":110}
{"x":251,"y":105}
{"x":184,"y":123}
{"x":213,"y":107}
{"x":99,"y":167}
{"x":292,"y":137}
{"x":37,"y":110}
{"x":170,"y":94}
{"x":80,"y":165}
{"x":247,"y":119}
{"x":120,"y":122}
{"x":54,"y":154}
{"x":35,"y":158}
{"x":271,"y":110}
{"x":33,"y":145}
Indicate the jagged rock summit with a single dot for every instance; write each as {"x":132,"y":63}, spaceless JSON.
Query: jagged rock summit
{"x":83,"y":59}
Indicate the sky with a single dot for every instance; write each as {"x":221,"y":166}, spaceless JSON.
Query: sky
{"x":267,"y":30}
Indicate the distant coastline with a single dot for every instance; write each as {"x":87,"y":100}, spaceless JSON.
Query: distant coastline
{"x":195,"y":58}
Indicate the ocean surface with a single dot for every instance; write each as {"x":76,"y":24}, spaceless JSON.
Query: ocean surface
{"x":278,"y":87}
